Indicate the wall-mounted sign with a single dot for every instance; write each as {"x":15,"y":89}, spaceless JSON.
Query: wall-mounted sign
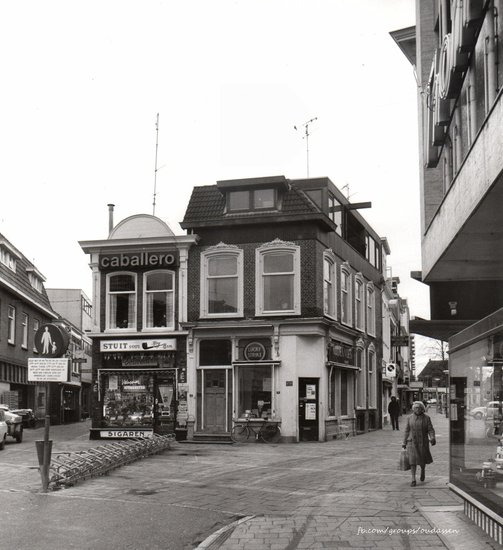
{"x":140,"y":259}
{"x":51,"y":340}
{"x":310,"y":391}
{"x":338,"y":352}
{"x":51,"y":369}
{"x":162,"y":344}
{"x":254,"y":351}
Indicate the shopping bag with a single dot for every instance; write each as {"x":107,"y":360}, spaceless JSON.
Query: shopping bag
{"x":403,"y":463}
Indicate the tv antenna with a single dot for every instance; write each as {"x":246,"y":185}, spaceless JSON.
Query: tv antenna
{"x":155,"y":170}
{"x":306,"y":137}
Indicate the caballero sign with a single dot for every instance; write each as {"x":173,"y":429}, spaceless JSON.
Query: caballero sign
{"x":139,"y":259}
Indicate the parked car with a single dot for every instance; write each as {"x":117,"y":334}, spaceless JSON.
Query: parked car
{"x":487,"y":410}
{"x":28,"y":416}
{"x":14,"y":424}
{"x":3,"y":430}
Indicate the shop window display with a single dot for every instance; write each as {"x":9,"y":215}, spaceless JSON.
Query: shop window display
{"x":476,"y":423}
{"x":255,"y":391}
{"x":129,"y":400}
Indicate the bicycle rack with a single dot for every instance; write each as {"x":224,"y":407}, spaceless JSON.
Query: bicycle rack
{"x":67,"y":468}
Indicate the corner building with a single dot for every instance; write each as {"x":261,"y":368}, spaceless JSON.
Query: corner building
{"x":139,"y":348}
{"x":457,"y":47}
{"x":284,"y":309}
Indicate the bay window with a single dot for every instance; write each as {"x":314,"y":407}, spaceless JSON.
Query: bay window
{"x":121,"y":301}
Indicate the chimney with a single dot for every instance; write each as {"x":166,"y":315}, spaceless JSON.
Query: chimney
{"x":110,"y":217}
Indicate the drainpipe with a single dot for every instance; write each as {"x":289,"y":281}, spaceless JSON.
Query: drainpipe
{"x":490,"y":48}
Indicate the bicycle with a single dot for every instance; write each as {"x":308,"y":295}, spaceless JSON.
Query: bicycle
{"x":268,"y":432}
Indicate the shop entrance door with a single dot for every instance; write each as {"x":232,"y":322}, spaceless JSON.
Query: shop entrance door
{"x":308,"y":409}
{"x":214,"y":400}
{"x":457,"y":421}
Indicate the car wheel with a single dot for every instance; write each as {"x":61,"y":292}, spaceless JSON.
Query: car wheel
{"x":478,"y":415}
{"x":2,"y":444}
{"x":19,"y":436}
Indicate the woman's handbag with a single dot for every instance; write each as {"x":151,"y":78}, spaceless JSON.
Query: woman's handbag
{"x":403,"y":463}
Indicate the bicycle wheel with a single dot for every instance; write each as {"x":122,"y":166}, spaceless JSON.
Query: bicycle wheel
{"x":240,"y":433}
{"x":270,"y":433}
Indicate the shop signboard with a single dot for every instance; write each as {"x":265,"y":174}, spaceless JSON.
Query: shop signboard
{"x":254,"y":351}
{"x":139,"y":259}
{"x":124,"y":434}
{"x":338,"y":352}
{"x":161,"y":344}
{"x":48,"y":369}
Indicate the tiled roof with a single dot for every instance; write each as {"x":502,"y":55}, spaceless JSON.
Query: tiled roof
{"x":19,"y":279}
{"x":207,"y":204}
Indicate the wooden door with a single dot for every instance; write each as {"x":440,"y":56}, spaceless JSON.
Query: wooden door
{"x":214,"y":401}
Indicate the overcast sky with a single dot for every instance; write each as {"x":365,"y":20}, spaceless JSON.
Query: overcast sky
{"x":83,"y":82}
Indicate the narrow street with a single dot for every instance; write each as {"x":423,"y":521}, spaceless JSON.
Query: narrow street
{"x":308,"y":495}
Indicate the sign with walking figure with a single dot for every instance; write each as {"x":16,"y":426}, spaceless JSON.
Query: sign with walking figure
{"x":51,"y":340}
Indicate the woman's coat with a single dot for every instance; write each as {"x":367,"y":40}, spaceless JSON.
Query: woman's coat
{"x":418,"y":433}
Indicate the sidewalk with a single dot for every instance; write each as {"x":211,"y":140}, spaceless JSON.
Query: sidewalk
{"x":370,"y":510}
{"x":339,"y":494}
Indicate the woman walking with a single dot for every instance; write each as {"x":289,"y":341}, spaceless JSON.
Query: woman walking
{"x":419,"y":433}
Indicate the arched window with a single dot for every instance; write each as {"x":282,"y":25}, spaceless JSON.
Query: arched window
{"x":278,"y":279}
{"x":222,"y":281}
{"x":346,"y":292}
{"x":371,"y":314}
{"x":359,"y":302}
{"x":329,"y":284}
{"x":121,"y":301}
{"x":158,"y":302}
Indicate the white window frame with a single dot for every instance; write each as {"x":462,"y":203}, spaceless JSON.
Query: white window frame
{"x":359,"y":303}
{"x":361,"y":379}
{"x":170,"y":323}
{"x":370,"y":309}
{"x":108,"y":328}
{"x":213,"y":252}
{"x":345,"y":270}
{"x":273,"y":248}
{"x":36,"y":326}
{"x":11,"y":329}
{"x":24,"y":328}
{"x":7,"y":259}
{"x":330,"y":285}
{"x":372,"y":377}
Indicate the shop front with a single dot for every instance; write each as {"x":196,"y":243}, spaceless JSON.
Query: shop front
{"x":228,"y":389}
{"x":476,"y":421}
{"x":141,"y":389}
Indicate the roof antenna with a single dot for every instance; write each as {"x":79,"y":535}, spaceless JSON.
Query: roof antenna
{"x":306,"y":137}
{"x":155,"y":170}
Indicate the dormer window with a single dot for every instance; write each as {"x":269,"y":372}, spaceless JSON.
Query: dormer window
{"x":36,"y":278}
{"x":251,"y":200}
{"x":8,"y":255}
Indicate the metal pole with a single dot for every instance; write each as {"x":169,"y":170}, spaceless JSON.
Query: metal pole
{"x":44,"y":471}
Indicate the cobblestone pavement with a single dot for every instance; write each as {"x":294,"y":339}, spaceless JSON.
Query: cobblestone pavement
{"x":340,"y":494}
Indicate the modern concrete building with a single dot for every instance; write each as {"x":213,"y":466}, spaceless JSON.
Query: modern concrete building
{"x":456,"y":48}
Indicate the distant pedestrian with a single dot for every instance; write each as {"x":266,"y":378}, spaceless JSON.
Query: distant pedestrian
{"x":419,"y":433}
{"x":394,"y":412}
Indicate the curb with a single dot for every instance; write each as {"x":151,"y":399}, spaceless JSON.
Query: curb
{"x":215,"y":540}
